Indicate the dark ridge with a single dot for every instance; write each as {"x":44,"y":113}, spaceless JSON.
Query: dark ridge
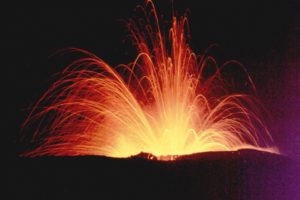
{"x":213,"y":155}
{"x":244,"y":174}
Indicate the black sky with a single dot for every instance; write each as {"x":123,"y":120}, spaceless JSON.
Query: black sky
{"x":260,"y":34}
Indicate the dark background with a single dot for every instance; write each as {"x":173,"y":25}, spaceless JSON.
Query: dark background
{"x":260,"y":34}
{"x":263,"y":35}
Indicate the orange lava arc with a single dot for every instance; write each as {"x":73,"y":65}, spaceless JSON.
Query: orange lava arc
{"x":163,"y":103}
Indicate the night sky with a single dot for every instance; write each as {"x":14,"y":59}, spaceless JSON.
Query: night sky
{"x":260,"y":34}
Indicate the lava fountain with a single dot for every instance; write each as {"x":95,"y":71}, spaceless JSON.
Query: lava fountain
{"x":163,"y":103}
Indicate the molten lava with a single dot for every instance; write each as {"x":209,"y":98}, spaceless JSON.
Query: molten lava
{"x":163,"y":103}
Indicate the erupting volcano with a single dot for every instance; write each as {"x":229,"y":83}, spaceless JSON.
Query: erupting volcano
{"x":168,"y":102}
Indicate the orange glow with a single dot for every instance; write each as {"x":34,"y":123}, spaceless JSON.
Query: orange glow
{"x":162,"y":103}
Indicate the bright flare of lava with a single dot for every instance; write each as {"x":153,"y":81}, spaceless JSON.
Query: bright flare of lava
{"x":162,"y":103}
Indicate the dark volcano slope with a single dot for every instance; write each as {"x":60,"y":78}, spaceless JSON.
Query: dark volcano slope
{"x":244,"y":174}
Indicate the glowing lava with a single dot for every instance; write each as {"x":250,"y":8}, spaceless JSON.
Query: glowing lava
{"x":163,"y":103}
